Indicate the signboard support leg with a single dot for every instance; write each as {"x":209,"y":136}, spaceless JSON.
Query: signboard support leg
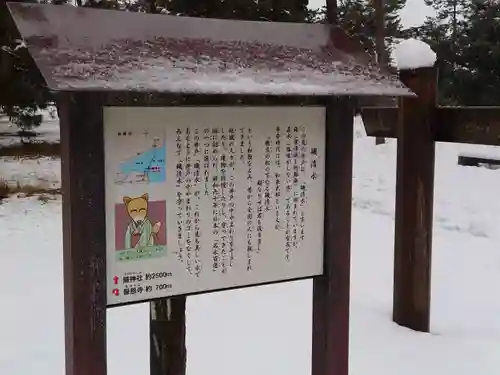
{"x":414,"y":201}
{"x":168,"y":336}
{"x":84,"y":235}
{"x":330,"y":341}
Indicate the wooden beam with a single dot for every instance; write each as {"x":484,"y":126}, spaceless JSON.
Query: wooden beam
{"x":380,"y":121}
{"x":414,"y":201}
{"x":84,"y":235}
{"x":476,"y":125}
{"x":331,"y":291}
{"x":478,"y":161}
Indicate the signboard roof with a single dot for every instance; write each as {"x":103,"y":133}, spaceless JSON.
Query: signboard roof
{"x":82,"y":49}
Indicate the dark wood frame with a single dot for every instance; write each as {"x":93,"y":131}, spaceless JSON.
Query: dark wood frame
{"x":83,"y":172}
{"x":84,"y":236}
{"x":418,"y":123}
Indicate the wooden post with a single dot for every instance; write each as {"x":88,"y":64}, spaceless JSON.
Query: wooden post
{"x":84,"y":235}
{"x":331,"y":291}
{"x":414,"y":201}
{"x":168,"y":336}
{"x":331,"y":12}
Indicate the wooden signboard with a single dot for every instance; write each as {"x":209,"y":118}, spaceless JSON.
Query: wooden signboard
{"x":200,"y":155}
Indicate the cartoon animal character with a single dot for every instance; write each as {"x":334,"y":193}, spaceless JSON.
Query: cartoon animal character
{"x":140,"y":230}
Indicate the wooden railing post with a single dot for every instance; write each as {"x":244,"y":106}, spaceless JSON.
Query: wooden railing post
{"x":168,"y":336}
{"x":414,"y":200}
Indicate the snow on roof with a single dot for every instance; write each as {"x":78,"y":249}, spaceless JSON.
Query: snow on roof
{"x":414,"y":54}
{"x":92,"y":49}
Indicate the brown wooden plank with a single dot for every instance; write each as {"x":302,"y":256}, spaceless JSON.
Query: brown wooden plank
{"x":414,"y":201}
{"x":141,"y":99}
{"x":84,"y":236}
{"x":476,"y":125}
{"x":331,"y":291}
{"x":380,"y":121}
{"x":167,"y":324}
{"x":478,"y":161}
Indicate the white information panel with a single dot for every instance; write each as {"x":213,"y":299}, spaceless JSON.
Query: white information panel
{"x":208,"y":198}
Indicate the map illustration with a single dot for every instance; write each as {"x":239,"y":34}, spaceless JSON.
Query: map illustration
{"x":147,"y":166}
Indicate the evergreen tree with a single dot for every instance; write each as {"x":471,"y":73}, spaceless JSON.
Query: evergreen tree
{"x":465,"y":36}
{"x":262,"y":10}
{"x":23,"y":91}
{"x":477,"y":63}
{"x":437,"y":34}
{"x":451,"y":14}
{"x":357,"y":18}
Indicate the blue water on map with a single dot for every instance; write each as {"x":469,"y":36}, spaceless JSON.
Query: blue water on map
{"x":151,"y":163}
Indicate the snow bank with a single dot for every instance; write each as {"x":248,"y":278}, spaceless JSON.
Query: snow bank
{"x":48,"y":131}
{"x":414,"y":54}
{"x":231,"y":333}
{"x":43,"y":172}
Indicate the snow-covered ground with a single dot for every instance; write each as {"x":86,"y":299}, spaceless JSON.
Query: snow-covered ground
{"x":225,"y":330}
{"x":43,"y":172}
{"x":48,"y":131}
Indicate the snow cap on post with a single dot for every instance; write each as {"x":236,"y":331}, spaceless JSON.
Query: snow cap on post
{"x":414,"y":54}
{"x":83,"y":49}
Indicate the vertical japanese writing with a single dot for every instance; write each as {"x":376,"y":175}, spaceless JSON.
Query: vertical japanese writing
{"x":231,"y":202}
{"x":295,"y":197}
{"x":313,"y":166}
{"x":196,"y":212}
{"x":179,"y":203}
{"x":197,"y":235}
{"x":242,"y":145}
{"x":188,"y":182}
{"x":206,"y":160}
{"x":314,"y":157}
{"x":214,"y":164}
{"x":223,"y":201}
{"x":250,"y":209}
{"x":303,"y":185}
{"x":288,"y":192}
{"x":260,"y":214}
{"x":277,"y":178}
{"x":188,"y":201}
{"x":267,"y":173}
{"x":296,"y":185}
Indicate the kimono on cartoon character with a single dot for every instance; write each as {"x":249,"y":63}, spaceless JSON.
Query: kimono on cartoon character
{"x":140,"y":231}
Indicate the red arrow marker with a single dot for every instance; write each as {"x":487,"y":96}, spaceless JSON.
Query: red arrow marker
{"x":115,"y":279}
